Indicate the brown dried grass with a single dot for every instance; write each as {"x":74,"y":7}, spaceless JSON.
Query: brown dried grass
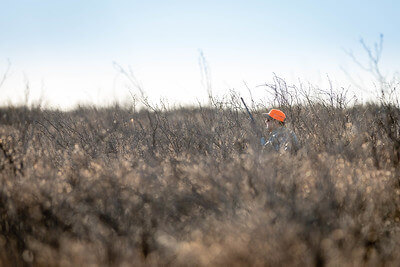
{"x":186,"y":187}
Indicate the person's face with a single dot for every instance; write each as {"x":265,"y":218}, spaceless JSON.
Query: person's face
{"x":271,"y":124}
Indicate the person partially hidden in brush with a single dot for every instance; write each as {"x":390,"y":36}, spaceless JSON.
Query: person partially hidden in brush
{"x":279,"y":138}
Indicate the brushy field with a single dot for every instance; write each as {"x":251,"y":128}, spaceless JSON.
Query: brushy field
{"x":189,"y":186}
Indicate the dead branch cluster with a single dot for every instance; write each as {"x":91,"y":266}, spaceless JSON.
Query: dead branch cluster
{"x":113,"y":186}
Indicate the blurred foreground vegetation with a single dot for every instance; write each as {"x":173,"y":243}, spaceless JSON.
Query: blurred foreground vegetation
{"x":189,"y":186}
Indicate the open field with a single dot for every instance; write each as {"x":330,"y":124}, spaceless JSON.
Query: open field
{"x":188,"y":186}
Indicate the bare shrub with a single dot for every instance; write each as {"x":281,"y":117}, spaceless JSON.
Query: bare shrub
{"x":157,"y":186}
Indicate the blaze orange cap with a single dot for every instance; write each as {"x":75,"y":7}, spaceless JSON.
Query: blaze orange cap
{"x":276,"y":114}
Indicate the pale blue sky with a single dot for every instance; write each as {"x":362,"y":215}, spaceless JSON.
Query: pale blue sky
{"x":65,"y":49}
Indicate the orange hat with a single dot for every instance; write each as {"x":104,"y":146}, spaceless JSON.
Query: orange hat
{"x":276,"y":114}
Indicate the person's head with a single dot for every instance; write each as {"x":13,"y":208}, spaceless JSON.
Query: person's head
{"x":274,"y":119}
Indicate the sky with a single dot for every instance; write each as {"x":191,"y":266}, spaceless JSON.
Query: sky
{"x":67,"y":52}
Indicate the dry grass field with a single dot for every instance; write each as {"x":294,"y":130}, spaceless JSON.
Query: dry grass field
{"x":188,"y":187}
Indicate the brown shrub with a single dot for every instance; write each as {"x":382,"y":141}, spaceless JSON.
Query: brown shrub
{"x":109,"y":186}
